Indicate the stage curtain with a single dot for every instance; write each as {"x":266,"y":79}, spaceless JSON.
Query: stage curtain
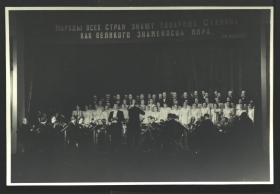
{"x":67,"y":75}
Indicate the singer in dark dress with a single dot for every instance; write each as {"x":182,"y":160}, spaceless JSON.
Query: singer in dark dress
{"x":133,"y":124}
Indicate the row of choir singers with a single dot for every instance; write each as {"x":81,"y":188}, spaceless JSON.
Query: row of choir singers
{"x":216,"y":112}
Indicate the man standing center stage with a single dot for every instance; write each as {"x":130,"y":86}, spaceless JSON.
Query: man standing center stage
{"x":115,"y":119}
{"x":134,"y":124}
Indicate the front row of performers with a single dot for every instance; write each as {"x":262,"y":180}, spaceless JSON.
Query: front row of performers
{"x":111,"y":134}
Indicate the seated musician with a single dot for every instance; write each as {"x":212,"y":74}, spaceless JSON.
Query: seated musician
{"x":81,"y":132}
{"x":206,"y":133}
{"x":147,"y":133}
{"x":24,"y":135}
{"x":142,"y":104}
{"x":224,"y":125}
{"x":72,"y":132}
{"x":77,"y":113}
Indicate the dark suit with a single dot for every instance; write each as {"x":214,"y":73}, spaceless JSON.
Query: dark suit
{"x":245,"y":100}
{"x":115,"y":129}
{"x":167,"y":100}
{"x":133,"y":124}
{"x":72,"y":132}
{"x":129,"y":102}
{"x":206,"y":134}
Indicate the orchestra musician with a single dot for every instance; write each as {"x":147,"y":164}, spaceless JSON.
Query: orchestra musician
{"x":115,"y":119}
{"x":72,"y":132}
{"x":24,"y":135}
{"x":81,"y":133}
{"x":191,"y":136}
{"x":43,"y":136}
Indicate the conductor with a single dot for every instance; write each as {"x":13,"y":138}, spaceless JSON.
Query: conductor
{"x":133,"y":125}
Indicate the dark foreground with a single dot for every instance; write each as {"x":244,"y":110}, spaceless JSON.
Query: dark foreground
{"x":129,"y":165}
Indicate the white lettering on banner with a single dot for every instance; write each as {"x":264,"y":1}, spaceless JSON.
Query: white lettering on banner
{"x":93,"y":27}
{"x":114,"y":26}
{"x":159,"y":33}
{"x":219,"y":22}
{"x":108,"y":35}
{"x":142,"y":26}
{"x":62,"y":28}
{"x":200,"y":31}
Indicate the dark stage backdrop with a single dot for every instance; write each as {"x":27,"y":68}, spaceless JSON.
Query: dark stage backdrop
{"x":66,"y":75}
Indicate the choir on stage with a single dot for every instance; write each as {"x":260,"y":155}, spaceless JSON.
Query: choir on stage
{"x":152,"y":122}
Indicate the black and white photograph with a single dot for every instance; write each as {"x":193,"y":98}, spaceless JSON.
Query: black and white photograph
{"x":139,"y":95}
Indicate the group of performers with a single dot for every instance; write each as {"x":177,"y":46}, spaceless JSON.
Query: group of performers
{"x":152,"y":123}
